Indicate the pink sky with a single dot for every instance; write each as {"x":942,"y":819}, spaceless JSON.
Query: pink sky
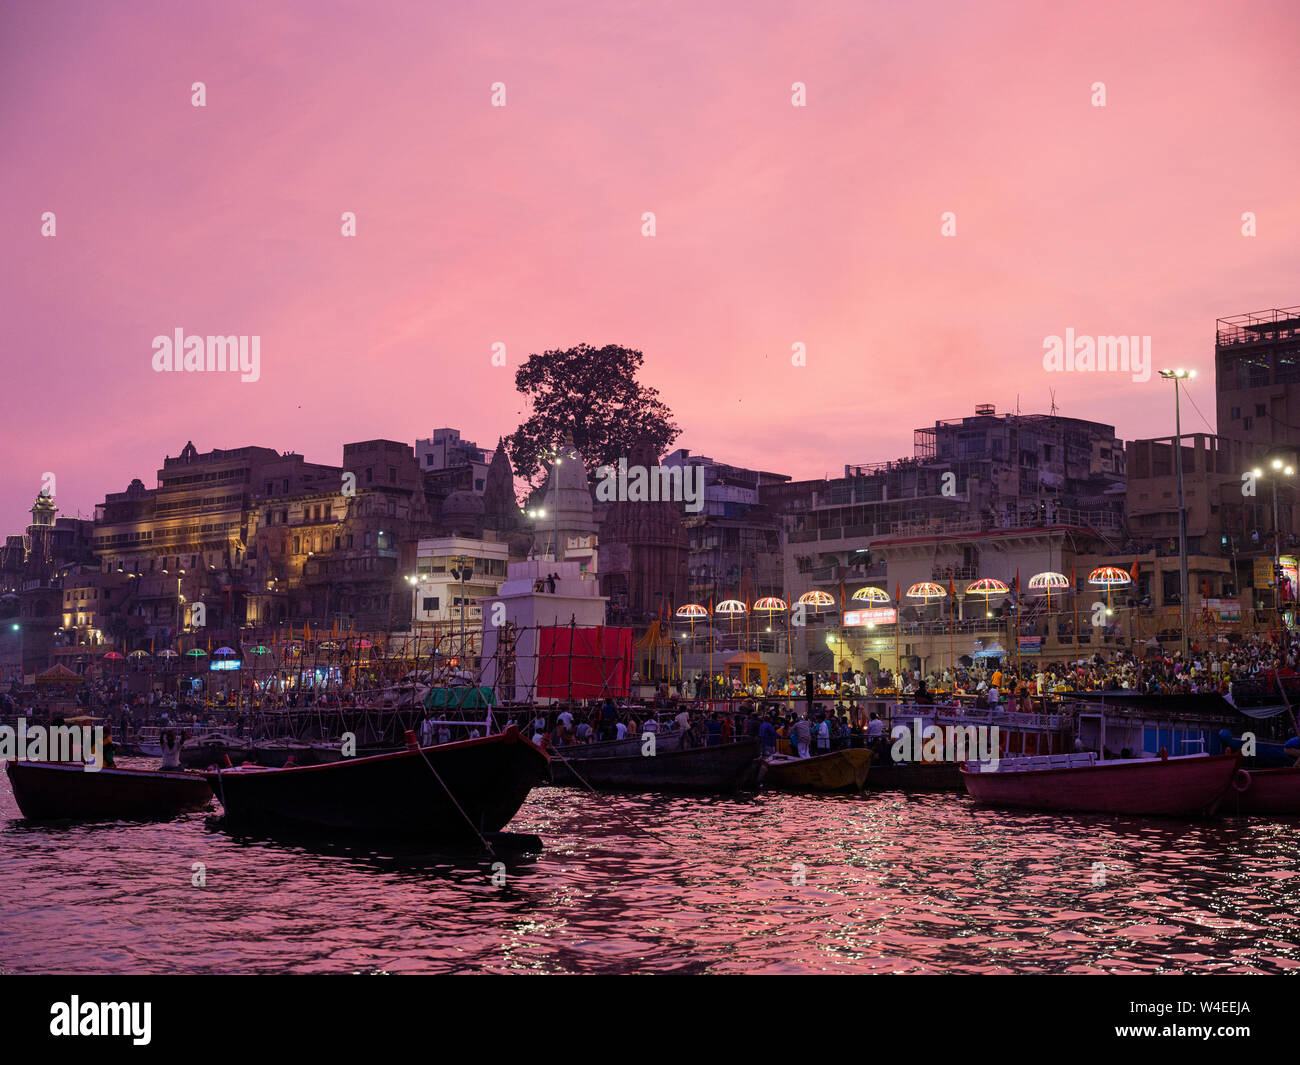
{"x":522,"y":224}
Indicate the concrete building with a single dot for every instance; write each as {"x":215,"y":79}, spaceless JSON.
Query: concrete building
{"x":510,"y":650}
{"x":446,"y":451}
{"x":440,"y":599}
{"x":1257,"y":378}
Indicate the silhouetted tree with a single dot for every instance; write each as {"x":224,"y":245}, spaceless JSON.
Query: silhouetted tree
{"x":593,"y":395}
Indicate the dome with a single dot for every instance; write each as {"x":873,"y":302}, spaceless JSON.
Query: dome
{"x":462,"y":514}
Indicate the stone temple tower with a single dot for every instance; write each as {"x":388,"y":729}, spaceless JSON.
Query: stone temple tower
{"x":568,"y":495}
{"x":40,"y":536}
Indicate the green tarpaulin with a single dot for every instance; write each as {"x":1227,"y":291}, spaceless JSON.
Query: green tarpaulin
{"x":459,"y":699}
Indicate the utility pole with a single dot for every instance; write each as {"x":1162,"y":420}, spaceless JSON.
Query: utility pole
{"x":1177,"y":376}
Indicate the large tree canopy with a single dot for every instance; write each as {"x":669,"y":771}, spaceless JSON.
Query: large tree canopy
{"x":593,"y":395}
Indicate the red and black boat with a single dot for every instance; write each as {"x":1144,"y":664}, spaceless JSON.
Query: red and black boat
{"x":56,"y":791}
{"x":451,"y":792}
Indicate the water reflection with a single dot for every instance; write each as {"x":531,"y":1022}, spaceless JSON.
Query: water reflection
{"x":773,"y":883}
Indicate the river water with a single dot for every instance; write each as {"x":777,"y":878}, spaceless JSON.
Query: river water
{"x":776,"y":883}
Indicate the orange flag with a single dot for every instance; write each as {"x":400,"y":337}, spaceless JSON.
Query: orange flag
{"x":1134,"y":571}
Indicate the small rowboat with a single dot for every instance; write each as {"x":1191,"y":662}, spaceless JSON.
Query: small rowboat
{"x":1265,"y":791}
{"x":844,"y":770}
{"x":1186,"y":786}
{"x":52,"y":791}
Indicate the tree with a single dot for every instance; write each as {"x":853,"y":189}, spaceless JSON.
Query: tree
{"x":593,"y":395}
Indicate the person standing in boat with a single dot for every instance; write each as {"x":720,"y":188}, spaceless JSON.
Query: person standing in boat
{"x":171,"y":750}
{"x":800,"y":736}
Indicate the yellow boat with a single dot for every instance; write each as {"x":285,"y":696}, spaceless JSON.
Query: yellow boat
{"x":844,"y":770}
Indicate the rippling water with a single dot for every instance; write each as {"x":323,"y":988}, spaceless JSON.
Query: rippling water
{"x":774,"y":883}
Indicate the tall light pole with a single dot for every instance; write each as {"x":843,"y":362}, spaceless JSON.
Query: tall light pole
{"x":1279,"y":469}
{"x":462,"y":570}
{"x":1177,"y":376}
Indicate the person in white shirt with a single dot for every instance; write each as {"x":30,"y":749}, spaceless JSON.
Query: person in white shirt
{"x":620,"y":731}
{"x":171,"y":750}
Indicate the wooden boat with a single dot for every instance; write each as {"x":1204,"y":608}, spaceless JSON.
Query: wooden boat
{"x":719,"y":769}
{"x":1265,"y":791}
{"x":888,"y":775}
{"x":49,"y":791}
{"x":214,"y":750}
{"x":844,"y":770}
{"x":443,"y":793}
{"x":274,"y":754}
{"x":1186,"y":786}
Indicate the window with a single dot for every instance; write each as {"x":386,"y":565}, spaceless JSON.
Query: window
{"x":1236,"y":413}
{"x":392,"y":474}
{"x":478,"y":484}
{"x":1259,"y":410}
{"x":366,"y":542}
{"x":297,"y":545}
{"x":430,"y":603}
{"x":1246,"y":423}
{"x":370,"y":475}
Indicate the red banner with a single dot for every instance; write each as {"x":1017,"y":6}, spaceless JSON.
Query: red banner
{"x":580,"y":663}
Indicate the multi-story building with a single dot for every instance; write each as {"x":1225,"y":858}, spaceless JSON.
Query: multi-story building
{"x":1257,"y":378}
{"x":463,"y":461}
{"x":328,"y":553}
{"x":735,"y":540}
{"x":440,"y":598}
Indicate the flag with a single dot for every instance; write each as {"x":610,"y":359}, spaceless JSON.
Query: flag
{"x":1017,"y":586}
{"x":952,"y":590}
{"x":898,"y":595}
{"x":1134,"y":571}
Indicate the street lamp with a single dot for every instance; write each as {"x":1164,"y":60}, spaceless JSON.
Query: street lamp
{"x":462,"y":570}
{"x":1177,"y":376}
{"x":1278,"y":469}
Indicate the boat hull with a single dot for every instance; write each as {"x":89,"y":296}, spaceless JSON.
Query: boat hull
{"x":719,"y":769}
{"x":1191,"y":786}
{"x":56,"y":791}
{"x":396,"y":794}
{"x":1267,"y":791}
{"x":915,"y":776}
{"x":844,"y":770}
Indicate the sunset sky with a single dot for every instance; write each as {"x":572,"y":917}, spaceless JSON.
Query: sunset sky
{"x":521,"y":224}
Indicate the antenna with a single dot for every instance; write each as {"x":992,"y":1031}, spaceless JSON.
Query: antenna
{"x":1052,"y":391}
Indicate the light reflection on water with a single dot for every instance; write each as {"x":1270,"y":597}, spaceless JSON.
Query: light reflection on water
{"x":774,"y":883}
